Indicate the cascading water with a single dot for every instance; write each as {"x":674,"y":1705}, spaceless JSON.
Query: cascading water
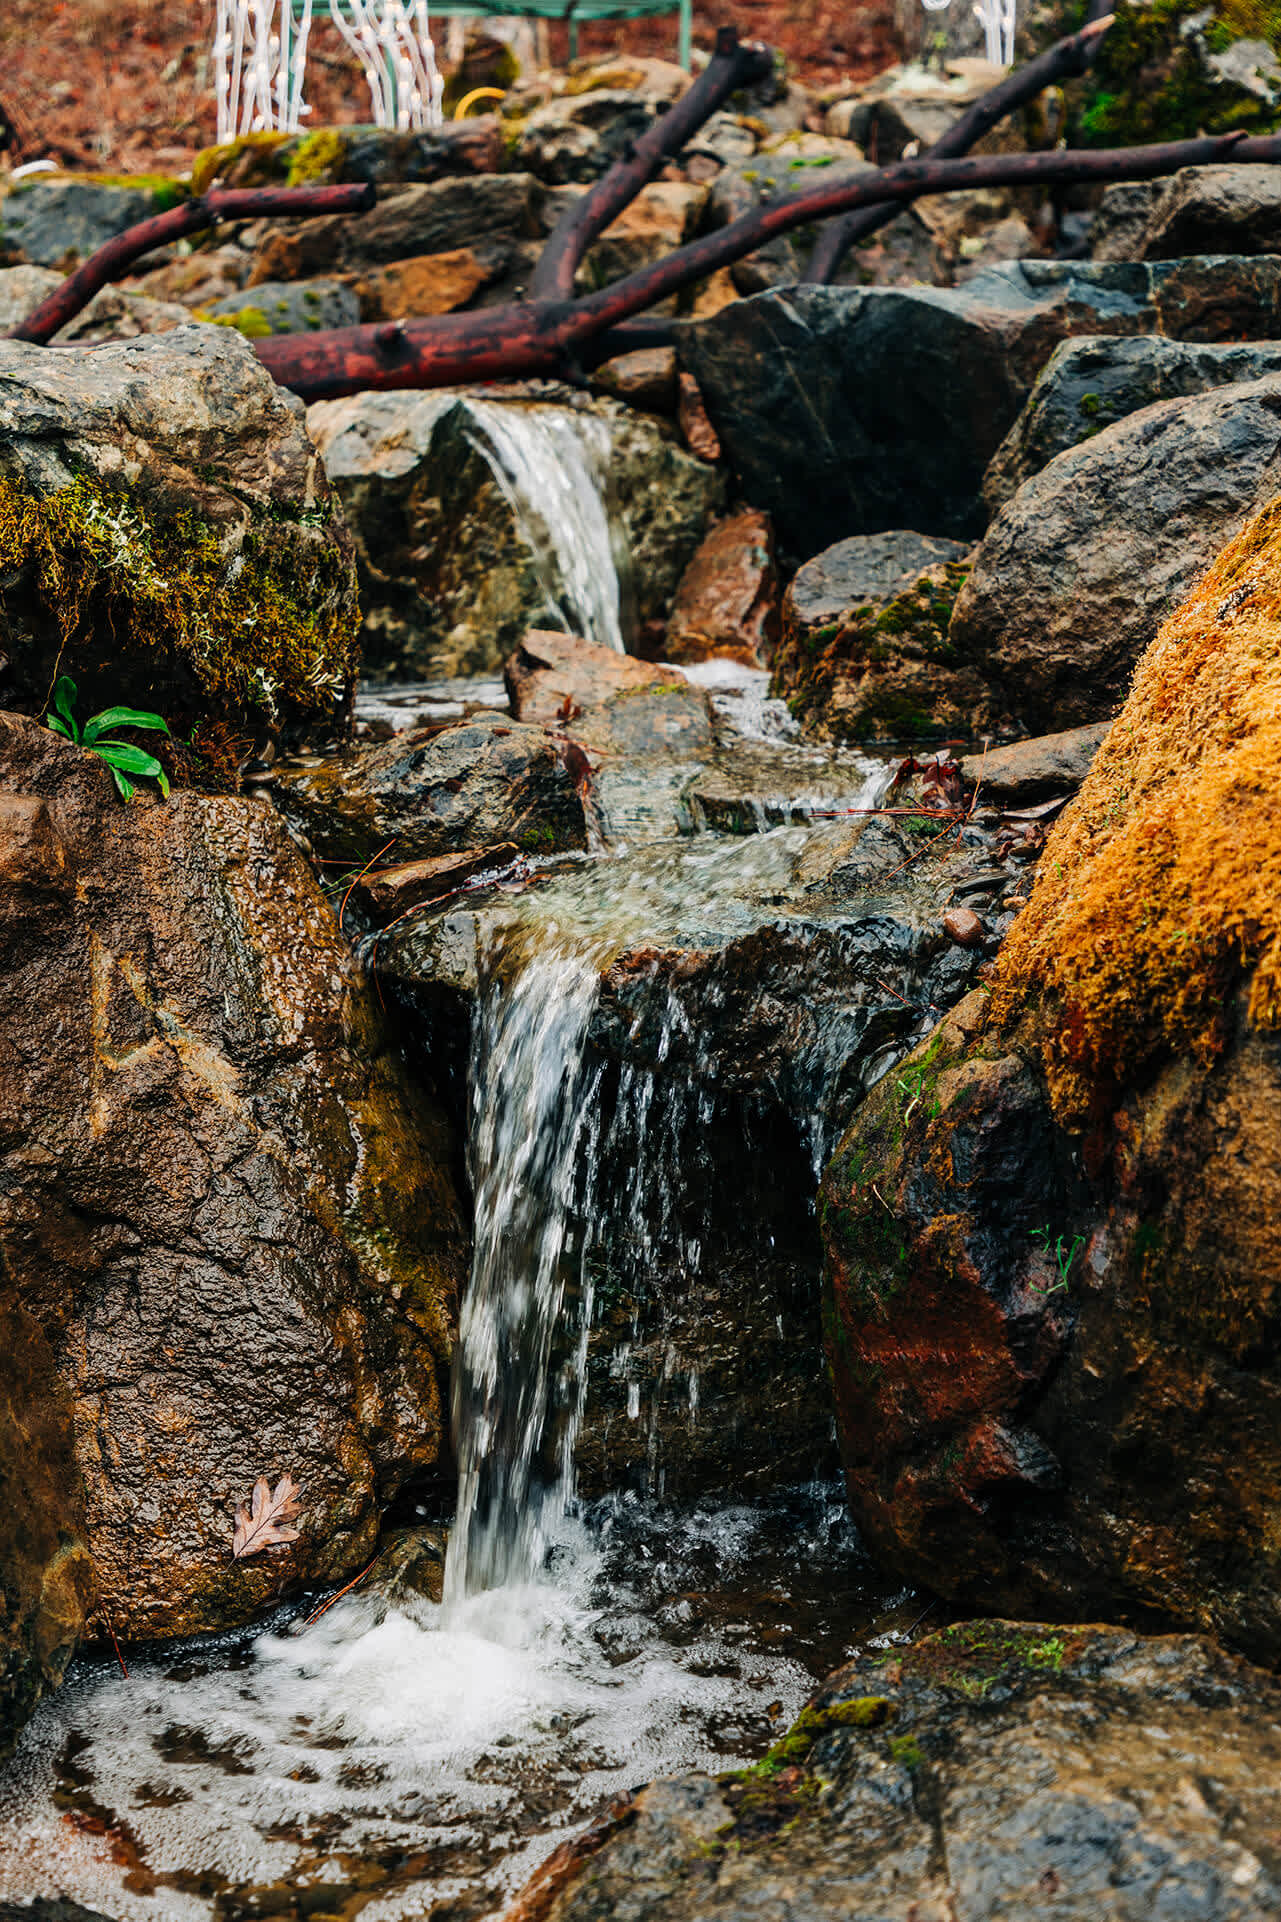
{"x":551,"y":464}
{"x":533,"y":1112}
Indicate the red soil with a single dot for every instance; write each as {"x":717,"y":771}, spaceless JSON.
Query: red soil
{"x":123,"y":85}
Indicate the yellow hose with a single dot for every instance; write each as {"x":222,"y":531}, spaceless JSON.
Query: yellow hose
{"x":477,"y":93}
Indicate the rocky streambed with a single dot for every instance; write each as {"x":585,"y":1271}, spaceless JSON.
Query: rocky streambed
{"x":685,"y":1078}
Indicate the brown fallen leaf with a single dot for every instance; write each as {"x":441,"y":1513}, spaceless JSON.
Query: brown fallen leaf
{"x":262,"y":1524}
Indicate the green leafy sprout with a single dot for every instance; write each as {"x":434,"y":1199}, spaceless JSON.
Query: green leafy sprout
{"x":122,"y":757}
{"x":1063,"y":1256}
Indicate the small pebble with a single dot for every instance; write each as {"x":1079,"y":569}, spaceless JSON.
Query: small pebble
{"x":964,"y":926}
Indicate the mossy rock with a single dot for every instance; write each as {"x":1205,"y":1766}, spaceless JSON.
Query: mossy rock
{"x":167,"y":539}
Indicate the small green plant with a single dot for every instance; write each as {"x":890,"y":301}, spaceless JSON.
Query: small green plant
{"x":122,"y":757}
{"x":913,"y":1084}
{"x":1063,"y":1256}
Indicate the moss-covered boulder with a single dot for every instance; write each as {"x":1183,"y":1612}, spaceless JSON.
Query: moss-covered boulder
{"x":865,"y":653}
{"x":995,"y":1769}
{"x":1171,"y":69}
{"x":168,"y":538}
{"x":1052,"y":1233}
{"x":227,"y":1209}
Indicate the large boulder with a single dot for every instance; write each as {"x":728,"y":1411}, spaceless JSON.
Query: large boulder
{"x":865,"y":653}
{"x":1202,"y":210}
{"x":476,"y":519}
{"x":168,"y":538}
{"x":995,"y":1769}
{"x":46,"y":1575}
{"x":855,"y":410}
{"x":1079,"y":570}
{"x":222,"y":1202}
{"x":1088,"y":384}
{"x":1052,"y":1236}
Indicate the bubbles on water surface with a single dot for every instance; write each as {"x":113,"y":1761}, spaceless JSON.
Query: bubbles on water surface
{"x":420,"y":1759}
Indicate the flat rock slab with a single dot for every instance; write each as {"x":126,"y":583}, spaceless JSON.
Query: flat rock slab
{"x":997,"y":1769}
{"x":852,"y":410}
{"x":554,"y":677}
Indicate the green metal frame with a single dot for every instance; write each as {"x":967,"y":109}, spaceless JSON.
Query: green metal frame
{"x":575,"y":12}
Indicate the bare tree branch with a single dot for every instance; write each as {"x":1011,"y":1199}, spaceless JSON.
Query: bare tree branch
{"x":1065,"y":58}
{"x":119,"y":254}
{"x":547,"y":337}
{"x":734,"y":64}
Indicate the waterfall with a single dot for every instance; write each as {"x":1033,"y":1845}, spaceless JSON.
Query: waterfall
{"x":533,"y":1117}
{"x":550,"y":464}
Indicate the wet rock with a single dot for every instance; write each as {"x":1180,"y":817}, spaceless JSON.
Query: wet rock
{"x":644,"y":379}
{"x":60,"y":222}
{"x":727,"y":604}
{"x":554,"y":677}
{"x":1202,"y":210}
{"x":865,"y":653}
{"x":755,"y":786}
{"x":391,"y":891}
{"x":852,"y":410}
{"x":964,"y":927}
{"x":290,"y":307}
{"x":767,"y":178}
{"x":223,"y":1202}
{"x":697,"y":431}
{"x":1029,"y":771}
{"x":996,"y":1768}
{"x":1079,"y":569}
{"x":429,"y":283}
{"x":477,"y":519}
{"x":1053,"y":1260}
{"x":171,"y":481}
{"x":748,"y":989}
{"x":1088,"y":384}
{"x":410,"y":1568}
{"x":437,"y":218}
{"x":46,"y":1575}
{"x":437,"y":792}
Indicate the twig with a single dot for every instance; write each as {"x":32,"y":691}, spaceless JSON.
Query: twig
{"x":360,"y":877}
{"x":356,"y":1579}
{"x":102,"y":1610}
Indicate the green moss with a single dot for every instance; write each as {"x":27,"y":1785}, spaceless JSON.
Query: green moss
{"x":317,"y":159}
{"x":249,"y":321}
{"x":255,"y":157}
{"x":906,"y":1751}
{"x":1149,"y":80}
{"x":539,"y":840}
{"x":1089,"y":404}
{"x":972,"y":1658}
{"x":266,"y":628}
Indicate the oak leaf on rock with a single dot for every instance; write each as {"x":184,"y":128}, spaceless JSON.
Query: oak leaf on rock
{"x":263,"y":1523}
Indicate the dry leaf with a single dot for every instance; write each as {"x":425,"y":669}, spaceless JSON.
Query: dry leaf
{"x":262,"y":1524}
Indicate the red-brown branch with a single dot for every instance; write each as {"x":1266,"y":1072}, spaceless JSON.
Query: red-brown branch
{"x":734,"y":64}
{"x":119,"y":254}
{"x":545,"y":337}
{"x":1064,"y":59}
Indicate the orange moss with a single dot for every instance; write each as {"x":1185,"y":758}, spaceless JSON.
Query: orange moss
{"x":1159,"y":893}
